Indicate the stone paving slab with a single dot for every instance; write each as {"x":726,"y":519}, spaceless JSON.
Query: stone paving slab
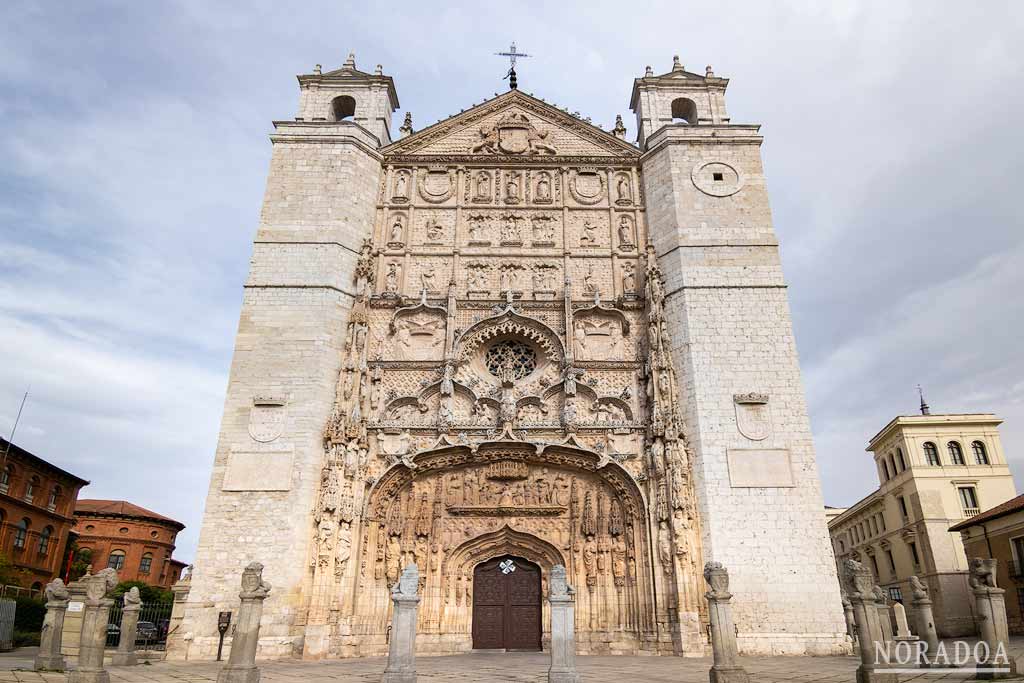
{"x":514,"y":667}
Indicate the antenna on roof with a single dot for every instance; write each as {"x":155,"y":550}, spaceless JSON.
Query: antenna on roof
{"x":925,"y":408}
{"x":17,"y":419}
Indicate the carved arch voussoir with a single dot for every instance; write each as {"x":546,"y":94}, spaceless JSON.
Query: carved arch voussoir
{"x":504,"y":541}
{"x":510,"y":323}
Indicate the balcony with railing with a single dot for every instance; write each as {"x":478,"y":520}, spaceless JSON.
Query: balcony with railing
{"x":971,"y":512}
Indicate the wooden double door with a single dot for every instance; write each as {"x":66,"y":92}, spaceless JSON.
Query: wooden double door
{"x":506,"y":604}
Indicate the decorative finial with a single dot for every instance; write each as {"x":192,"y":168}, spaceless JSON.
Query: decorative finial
{"x":379,"y":71}
{"x":708,"y":73}
{"x":350,"y":63}
{"x":406,"y":128}
{"x":676,"y":65}
{"x":512,"y":54}
{"x":648,"y":71}
{"x":620,"y":130}
{"x":317,"y":69}
{"x":925,"y":408}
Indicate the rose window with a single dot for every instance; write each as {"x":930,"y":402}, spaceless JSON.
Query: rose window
{"x":510,"y":360}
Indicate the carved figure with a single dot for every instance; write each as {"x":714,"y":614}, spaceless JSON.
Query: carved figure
{"x":391,"y":278}
{"x":483,"y":185}
{"x":983,"y":573}
{"x":588,"y":238}
{"x":397,"y":230}
{"x":512,"y":186}
{"x":435,"y":231}
{"x":544,"y":188}
{"x":628,"y":277}
{"x":589,"y":281}
{"x":622,"y":189}
{"x":510,"y":229}
{"x":400,"y":185}
{"x":476,"y":228}
{"x":429,"y":279}
{"x":918,"y":589}
{"x":625,"y":232}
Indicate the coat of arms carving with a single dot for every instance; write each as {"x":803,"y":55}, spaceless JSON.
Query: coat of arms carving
{"x":753,"y":418}
{"x":513,"y":133}
{"x":266,"y":418}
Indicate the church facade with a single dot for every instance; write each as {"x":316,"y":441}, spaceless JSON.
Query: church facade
{"x":509,"y":341}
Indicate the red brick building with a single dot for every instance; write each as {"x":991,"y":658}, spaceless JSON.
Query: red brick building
{"x":137,"y":542}
{"x":37,"y":503}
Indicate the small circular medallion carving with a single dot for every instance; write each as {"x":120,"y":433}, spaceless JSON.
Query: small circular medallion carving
{"x":716,"y":178}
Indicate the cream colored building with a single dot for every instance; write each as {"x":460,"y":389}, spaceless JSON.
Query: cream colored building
{"x":515,"y":339}
{"x":933,"y":471}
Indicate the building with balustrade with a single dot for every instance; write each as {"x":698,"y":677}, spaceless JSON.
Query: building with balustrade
{"x":37,"y":502}
{"x":934,"y":471}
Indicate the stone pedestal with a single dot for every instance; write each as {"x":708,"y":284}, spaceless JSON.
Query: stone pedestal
{"x":884,"y":619}
{"x":924,"y":620}
{"x":125,"y":655}
{"x":175,"y":643}
{"x":49,"y":656}
{"x":401,"y":666}
{"x":94,"y":628}
{"x":561,"y":598}
{"x":851,"y":625}
{"x":725,"y":668}
{"x":241,"y":667}
{"x":990,"y":608}
{"x":858,"y":583}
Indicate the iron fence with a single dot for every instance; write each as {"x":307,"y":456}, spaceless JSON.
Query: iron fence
{"x":154,"y":621}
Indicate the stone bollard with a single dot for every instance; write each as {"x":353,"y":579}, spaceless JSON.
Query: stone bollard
{"x":851,"y":625}
{"x":125,"y":655}
{"x":899,"y":612}
{"x":563,"y":628}
{"x":859,"y":587}
{"x":241,"y":667}
{"x":924,"y":620}
{"x":990,"y":606}
{"x":401,"y":666}
{"x":49,"y":657}
{"x":723,"y":631}
{"x":884,"y":620}
{"x":94,"y":628}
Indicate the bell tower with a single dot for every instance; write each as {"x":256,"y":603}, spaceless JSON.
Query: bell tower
{"x":347,"y":94}
{"x":740,"y":388}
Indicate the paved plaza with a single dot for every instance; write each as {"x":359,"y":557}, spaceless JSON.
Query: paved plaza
{"x":489,"y":667}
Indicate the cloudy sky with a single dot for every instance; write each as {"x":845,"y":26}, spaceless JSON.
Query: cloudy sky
{"x":136,"y":151}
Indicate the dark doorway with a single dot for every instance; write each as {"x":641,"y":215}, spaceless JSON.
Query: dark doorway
{"x":506,"y":604}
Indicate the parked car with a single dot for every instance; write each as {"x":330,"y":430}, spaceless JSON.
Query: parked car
{"x":146,"y":631}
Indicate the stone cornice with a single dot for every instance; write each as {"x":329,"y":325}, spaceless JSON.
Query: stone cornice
{"x":704,"y":134}
{"x":327,"y":132}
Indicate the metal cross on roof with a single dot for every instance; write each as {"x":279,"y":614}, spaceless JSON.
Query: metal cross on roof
{"x":512,"y":54}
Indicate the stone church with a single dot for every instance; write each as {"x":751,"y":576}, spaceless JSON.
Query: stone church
{"x":508,"y":341}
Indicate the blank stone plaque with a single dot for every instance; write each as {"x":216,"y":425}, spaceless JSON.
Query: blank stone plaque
{"x":258,"y":471}
{"x":760,"y":468}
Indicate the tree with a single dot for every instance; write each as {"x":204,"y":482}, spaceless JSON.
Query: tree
{"x":11,"y":575}
{"x":81,"y":560}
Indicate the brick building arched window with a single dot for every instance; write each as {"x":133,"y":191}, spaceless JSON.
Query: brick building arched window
{"x":116,"y":560}
{"x":21,"y":533}
{"x":146,"y":563}
{"x":44,"y":540}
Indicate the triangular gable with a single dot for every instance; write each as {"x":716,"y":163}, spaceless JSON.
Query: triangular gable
{"x":513,"y":125}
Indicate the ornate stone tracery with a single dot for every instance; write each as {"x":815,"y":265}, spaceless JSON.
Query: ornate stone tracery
{"x":489,"y":402}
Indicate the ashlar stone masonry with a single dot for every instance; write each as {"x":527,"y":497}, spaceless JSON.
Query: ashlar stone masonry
{"x":504,"y":343}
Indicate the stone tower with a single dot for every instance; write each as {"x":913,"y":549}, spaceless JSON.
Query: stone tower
{"x":504,"y":343}
{"x":742,"y":396}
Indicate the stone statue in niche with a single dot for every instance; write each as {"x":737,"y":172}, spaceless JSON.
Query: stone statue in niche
{"x":590,"y":281}
{"x":428,"y":278}
{"x":476,"y":277}
{"x":397,"y":231}
{"x":512,"y":188}
{"x":588,"y":238}
{"x":544,"y":188}
{"x":401,"y":185}
{"x":623,"y":191}
{"x":626,"y":237}
{"x":481,"y":413}
{"x":344,"y":551}
{"x":391,"y":278}
{"x":447,"y":379}
{"x":483,"y":186}
{"x":629,"y":277}
{"x":579,"y":338}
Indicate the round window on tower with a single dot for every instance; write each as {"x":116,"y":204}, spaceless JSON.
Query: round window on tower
{"x":510,"y":359}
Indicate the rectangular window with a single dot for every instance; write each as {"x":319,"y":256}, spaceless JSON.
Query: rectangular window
{"x":874,"y":565}
{"x":895,"y":594}
{"x":892,"y":562}
{"x":969,"y":500}
{"x":145,"y":564}
{"x":1017,"y":566}
{"x":19,"y":538}
{"x":903,"y":507}
{"x":913,"y":554}
{"x":881,"y":518}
